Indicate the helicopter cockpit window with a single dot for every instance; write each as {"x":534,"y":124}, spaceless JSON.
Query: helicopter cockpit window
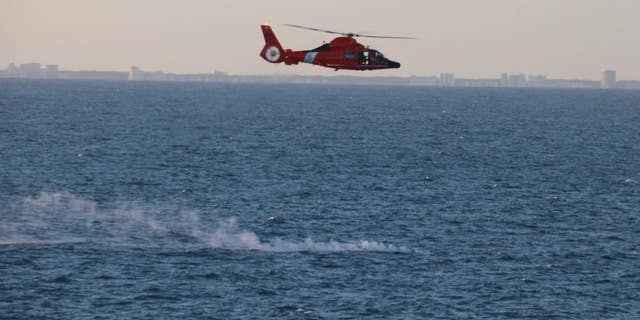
{"x":348,"y":55}
{"x":376,"y":54}
{"x":373,"y":57}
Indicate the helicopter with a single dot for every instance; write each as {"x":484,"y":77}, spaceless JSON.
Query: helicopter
{"x":343,"y":52}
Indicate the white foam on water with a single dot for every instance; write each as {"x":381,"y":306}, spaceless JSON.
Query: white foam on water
{"x":228,"y":235}
{"x":61,"y":217}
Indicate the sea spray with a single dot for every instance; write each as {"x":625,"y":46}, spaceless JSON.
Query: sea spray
{"x":63,"y":217}
{"x":228,"y":235}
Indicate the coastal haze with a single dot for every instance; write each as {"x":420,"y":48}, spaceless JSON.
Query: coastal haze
{"x":567,"y":39}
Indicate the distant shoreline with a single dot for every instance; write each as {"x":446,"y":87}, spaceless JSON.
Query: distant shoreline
{"x":35,"y":70}
{"x":342,"y":80}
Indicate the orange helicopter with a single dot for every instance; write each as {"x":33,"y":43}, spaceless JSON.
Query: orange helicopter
{"x":341,"y":53}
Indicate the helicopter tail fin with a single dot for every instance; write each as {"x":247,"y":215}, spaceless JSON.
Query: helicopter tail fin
{"x":272,"y":50}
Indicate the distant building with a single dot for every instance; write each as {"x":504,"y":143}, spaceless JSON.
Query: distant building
{"x":537,"y":81}
{"x":12,"y":70}
{"x":447,"y":79}
{"x":51,"y":71}
{"x":217,"y":76}
{"x":156,"y":76}
{"x":504,"y":79}
{"x":608,"y":79}
{"x":628,"y":84}
{"x":491,"y":83}
{"x":517,"y":80}
{"x":424,"y":81}
{"x":30,"y":70}
{"x":218,"y":73}
{"x":536,"y":78}
{"x":136,"y":74}
{"x":94,"y":75}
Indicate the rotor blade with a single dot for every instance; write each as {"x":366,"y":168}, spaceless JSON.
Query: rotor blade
{"x":348,"y":34}
{"x":382,"y":37}
{"x":315,"y":29}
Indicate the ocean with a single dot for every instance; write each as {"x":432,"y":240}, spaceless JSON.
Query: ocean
{"x":159,"y":200}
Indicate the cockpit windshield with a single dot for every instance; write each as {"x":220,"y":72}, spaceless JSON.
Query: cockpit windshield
{"x":377,"y":54}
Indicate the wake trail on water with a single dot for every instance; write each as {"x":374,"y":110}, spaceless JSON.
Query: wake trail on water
{"x":61,"y":218}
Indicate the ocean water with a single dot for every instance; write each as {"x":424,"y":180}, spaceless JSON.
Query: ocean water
{"x":146,"y":200}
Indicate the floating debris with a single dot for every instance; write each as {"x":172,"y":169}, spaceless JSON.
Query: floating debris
{"x":274,"y":219}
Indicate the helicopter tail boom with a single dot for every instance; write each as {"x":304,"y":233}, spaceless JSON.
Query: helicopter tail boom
{"x":272,"y":50}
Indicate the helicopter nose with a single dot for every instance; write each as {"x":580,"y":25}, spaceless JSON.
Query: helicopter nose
{"x":393,"y":64}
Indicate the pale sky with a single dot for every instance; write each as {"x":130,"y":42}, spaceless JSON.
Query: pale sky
{"x":471,"y":38}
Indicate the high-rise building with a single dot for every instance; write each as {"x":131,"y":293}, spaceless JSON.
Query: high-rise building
{"x":30,"y":70}
{"x":608,"y":79}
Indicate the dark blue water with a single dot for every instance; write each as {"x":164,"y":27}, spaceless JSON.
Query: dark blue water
{"x":226,"y":201}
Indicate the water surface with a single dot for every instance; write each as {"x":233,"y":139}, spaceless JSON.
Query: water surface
{"x":238,"y":201}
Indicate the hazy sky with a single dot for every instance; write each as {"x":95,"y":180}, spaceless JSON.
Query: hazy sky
{"x":472,"y":38}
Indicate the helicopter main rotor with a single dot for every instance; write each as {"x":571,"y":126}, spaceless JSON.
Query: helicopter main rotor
{"x":346,"y":34}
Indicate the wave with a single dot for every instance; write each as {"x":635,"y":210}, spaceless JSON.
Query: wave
{"x":61,"y":217}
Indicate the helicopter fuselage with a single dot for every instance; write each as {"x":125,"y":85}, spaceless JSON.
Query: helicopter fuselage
{"x":341,"y":53}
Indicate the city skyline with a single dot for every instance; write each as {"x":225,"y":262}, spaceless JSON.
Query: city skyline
{"x":445,"y":79}
{"x":597,"y":74}
{"x":570,"y":39}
